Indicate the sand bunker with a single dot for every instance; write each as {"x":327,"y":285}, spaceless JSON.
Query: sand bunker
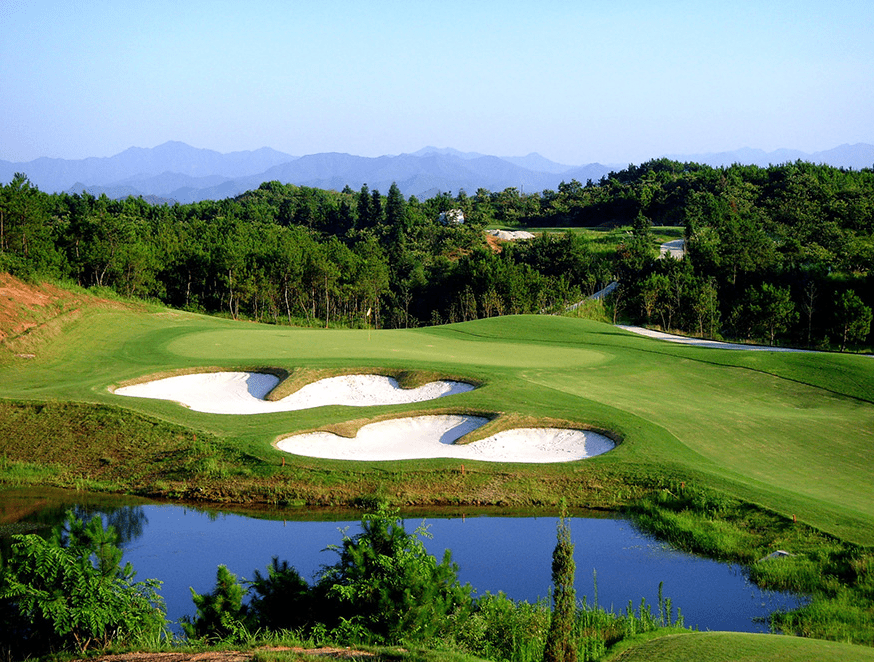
{"x":244,"y":392}
{"x":676,"y":249}
{"x":434,"y":436}
{"x":700,"y":342}
{"x":510,"y":235}
{"x":399,"y":439}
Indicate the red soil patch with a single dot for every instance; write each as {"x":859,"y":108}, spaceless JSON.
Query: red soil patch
{"x":23,"y":305}
{"x":494,"y":243}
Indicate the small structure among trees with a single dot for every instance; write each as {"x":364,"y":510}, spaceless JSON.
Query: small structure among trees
{"x":451,"y":217}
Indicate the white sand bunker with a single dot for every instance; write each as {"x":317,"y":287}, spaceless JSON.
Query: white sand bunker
{"x":700,"y":342}
{"x":244,"y":392}
{"x":434,"y":436}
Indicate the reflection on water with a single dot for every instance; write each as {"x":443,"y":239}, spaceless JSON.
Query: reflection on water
{"x":129,"y":521}
{"x":182,"y":547}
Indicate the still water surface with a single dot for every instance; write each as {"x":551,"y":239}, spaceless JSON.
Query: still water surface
{"x":182,"y":547}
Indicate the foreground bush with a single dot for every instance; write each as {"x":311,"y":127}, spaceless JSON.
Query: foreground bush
{"x":220,"y":614}
{"x":384,"y":588}
{"x":388,"y":583}
{"x":70,"y":592}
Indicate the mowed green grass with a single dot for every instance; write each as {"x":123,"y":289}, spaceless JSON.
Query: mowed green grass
{"x":792,"y":432}
{"x":740,"y":647}
{"x":606,"y":240}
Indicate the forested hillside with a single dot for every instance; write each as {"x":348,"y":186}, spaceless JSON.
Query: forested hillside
{"x":778,"y":254}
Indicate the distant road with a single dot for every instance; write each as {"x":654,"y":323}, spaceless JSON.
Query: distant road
{"x":676,"y":249}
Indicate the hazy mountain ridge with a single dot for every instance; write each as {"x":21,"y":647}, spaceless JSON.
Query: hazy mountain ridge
{"x":857,"y":156}
{"x":177,"y":171}
{"x":135,"y":164}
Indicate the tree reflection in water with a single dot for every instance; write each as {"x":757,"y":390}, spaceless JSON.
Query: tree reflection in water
{"x":129,"y":521}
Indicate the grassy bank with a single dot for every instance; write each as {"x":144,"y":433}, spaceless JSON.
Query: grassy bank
{"x":108,"y":449}
{"x":778,"y":553}
{"x":713,"y":646}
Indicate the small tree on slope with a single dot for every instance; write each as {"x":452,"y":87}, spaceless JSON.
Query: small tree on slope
{"x":559,"y":641}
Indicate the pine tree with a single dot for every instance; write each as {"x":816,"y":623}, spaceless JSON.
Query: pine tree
{"x":365,"y":215}
{"x":559,"y":640}
{"x":220,"y":614}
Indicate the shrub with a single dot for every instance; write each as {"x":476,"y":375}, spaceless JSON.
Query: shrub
{"x":499,"y":628}
{"x":220,"y":614}
{"x":559,"y":641}
{"x":70,"y":592}
{"x":282,"y":599}
{"x":386,"y":579}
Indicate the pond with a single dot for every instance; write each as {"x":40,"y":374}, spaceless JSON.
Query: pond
{"x":182,"y":546}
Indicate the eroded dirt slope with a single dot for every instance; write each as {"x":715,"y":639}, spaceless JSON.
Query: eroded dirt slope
{"x":31,"y":310}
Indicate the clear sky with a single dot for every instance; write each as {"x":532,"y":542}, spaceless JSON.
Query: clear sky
{"x":577,"y":81}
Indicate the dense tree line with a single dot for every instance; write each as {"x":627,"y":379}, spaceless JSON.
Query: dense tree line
{"x":779,"y":253}
{"x":783,"y":253}
{"x":284,"y":252}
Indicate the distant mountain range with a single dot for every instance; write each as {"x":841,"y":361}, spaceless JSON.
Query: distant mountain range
{"x":858,"y":156}
{"x":178,"y":172}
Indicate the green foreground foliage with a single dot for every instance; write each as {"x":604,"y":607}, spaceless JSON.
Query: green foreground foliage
{"x":386,"y":583}
{"x":559,"y":641}
{"x":70,"y":592}
{"x":384,"y":589}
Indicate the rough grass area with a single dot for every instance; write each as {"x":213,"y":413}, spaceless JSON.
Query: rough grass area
{"x":99,"y":448}
{"x":592,"y":309}
{"x":837,"y":577}
{"x":104,"y":448}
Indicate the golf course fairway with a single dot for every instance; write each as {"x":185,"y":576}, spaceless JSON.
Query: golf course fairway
{"x":793,"y":433}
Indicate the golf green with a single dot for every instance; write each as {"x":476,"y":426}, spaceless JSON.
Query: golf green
{"x":792,"y":432}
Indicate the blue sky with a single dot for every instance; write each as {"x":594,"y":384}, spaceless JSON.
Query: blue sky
{"x":577,"y":81}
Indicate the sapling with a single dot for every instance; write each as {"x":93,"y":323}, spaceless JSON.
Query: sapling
{"x":559,"y":642}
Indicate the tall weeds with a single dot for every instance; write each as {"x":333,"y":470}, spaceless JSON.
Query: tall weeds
{"x":503,"y":629}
